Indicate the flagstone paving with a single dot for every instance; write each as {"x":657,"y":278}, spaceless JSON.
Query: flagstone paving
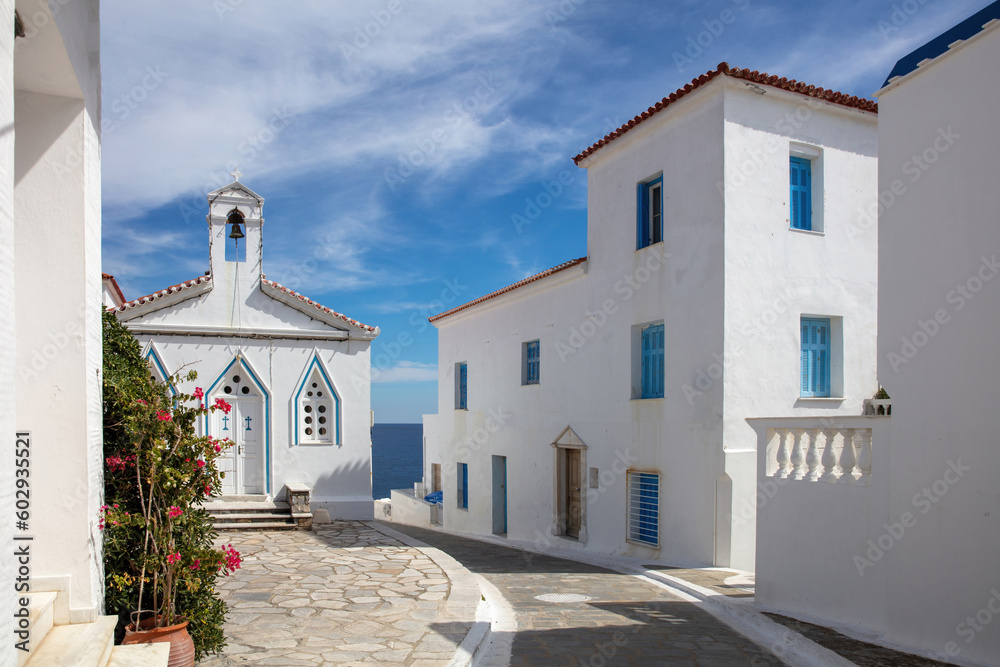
{"x":342,"y":594}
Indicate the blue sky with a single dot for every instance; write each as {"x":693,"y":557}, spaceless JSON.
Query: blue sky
{"x":397,"y":141}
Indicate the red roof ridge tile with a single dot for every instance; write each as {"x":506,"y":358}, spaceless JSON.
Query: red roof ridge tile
{"x":521,"y":283}
{"x":316,"y":305}
{"x":173,"y":289}
{"x":754,"y":76}
{"x":114,"y":283}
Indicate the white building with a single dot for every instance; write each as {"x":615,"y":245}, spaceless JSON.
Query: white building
{"x":601,"y":405}
{"x":910,"y":556}
{"x":297,"y":373}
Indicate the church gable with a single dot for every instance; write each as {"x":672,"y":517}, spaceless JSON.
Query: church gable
{"x":234,"y":298}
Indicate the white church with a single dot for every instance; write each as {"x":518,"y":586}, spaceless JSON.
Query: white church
{"x":297,"y":373}
{"x":602,"y":405}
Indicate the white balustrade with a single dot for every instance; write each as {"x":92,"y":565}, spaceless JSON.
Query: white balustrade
{"x":822,"y":454}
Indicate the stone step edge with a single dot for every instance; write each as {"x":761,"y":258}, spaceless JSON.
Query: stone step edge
{"x":76,"y":645}
{"x":38,"y":603}
{"x":268,"y":525}
{"x":140,"y":655}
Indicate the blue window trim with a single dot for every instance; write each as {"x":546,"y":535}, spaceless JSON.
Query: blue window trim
{"x":315,"y":363}
{"x":463,"y":386}
{"x":651,"y":361}
{"x":153,"y":356}
{"x":800,"y":193}
{"x":533,"y":362}
{"x":645,"y":235}
{"x":814,"y":365}
{"x":644,"y":508}
{"x":245,"y":368}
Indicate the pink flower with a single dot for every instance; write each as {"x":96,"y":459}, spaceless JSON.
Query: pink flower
{"x":198,"y":393}
{"x":200,"y":463}
{"x":196,"y":564}
{"x":208,"y":490}
{"x":163,"y":416}
{"x":222,"y":405}
{"x":174,"y":512}
{"x":218,"y":448}
{"x":139,"y":400}
{"x":173,"y":558}
{"x":232,"y":559}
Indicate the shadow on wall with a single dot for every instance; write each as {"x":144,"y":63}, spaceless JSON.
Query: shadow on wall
{"x":333,"y":481}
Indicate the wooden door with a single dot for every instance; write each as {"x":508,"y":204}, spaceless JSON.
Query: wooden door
{"x":574,"y":489}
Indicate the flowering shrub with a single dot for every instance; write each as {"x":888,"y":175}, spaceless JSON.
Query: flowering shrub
{"x":158,"y":542}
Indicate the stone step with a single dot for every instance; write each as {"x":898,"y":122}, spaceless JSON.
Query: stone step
{"x":248,"y":516}
{"x":41,"y":618}
{"x":140,"y":655}
{"x":257,"y":525}
{"x":76,"y":645}
{"x":216,"y":507}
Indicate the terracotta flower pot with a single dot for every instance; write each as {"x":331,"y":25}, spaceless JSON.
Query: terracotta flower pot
{"x":181,"y":646}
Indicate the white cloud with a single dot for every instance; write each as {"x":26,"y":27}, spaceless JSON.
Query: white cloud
{"x":287,"y":92}
{"x":406,"y":371}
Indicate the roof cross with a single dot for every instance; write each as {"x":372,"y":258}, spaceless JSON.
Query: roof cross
{"x":236,"y":173}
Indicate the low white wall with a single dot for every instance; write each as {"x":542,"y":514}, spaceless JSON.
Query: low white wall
{"x":813,"y":537}
{"x":410,"y":510}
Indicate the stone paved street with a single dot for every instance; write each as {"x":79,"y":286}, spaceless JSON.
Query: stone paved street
{"x":625,"y":621}
{"x":342,"y":594}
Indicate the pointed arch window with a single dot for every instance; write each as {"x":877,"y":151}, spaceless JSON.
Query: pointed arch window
{"x":317,"y":408}
{"x":157,"y":369}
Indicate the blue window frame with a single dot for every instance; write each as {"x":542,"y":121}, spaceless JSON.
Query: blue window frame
{"x":800,"y":183}
{"x":462,"y":388}
{"x":652,"y":361}
{"x":463,"y":485}
{"x":532,"y":361}
{"x":644,"y":508}
{"x":649,"y":210}
{"x":815,"y":364}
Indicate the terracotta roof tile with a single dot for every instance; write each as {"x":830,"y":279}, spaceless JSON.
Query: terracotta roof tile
{"x":316,"y":305}
{"x":114,"y":283}
{"x":173,"y":289}
{"x":509,"y":288}
{"x":751,"y":76}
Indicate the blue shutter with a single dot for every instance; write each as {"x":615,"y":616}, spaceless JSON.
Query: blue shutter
{"x":815,"y":362}
{"x":647,"y":363}
{"x":463,"y":382}
{"x":533,"y":374}
{"x":465,"y":485}
{"x":642,"y":216}
{"x":652,"y":361}
{"x":800,"y":196}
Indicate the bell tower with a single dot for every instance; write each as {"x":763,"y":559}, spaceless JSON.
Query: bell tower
{"x":235,"y":234}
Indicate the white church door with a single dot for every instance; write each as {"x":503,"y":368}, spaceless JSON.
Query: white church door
{"x":243,"y":461}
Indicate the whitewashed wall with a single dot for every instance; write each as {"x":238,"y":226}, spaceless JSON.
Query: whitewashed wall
{"x":724,"y":261}
{"x":8,"y":357}
{"x":943,"y":232}
{"x":775,"y":275}
{"x":57,"y":266}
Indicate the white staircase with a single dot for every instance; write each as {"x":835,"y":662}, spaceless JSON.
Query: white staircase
{"x":81,"y":644}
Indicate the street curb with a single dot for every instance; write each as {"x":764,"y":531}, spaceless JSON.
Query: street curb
{"x":491,"y":635}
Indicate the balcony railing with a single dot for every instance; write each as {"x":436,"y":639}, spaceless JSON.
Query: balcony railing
{"x":820,"y":454}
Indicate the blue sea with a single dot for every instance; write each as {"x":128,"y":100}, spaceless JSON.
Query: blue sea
{"x":397,"y":457}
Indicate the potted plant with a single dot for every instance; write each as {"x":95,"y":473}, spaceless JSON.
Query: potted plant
{"x":155,"y":483}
